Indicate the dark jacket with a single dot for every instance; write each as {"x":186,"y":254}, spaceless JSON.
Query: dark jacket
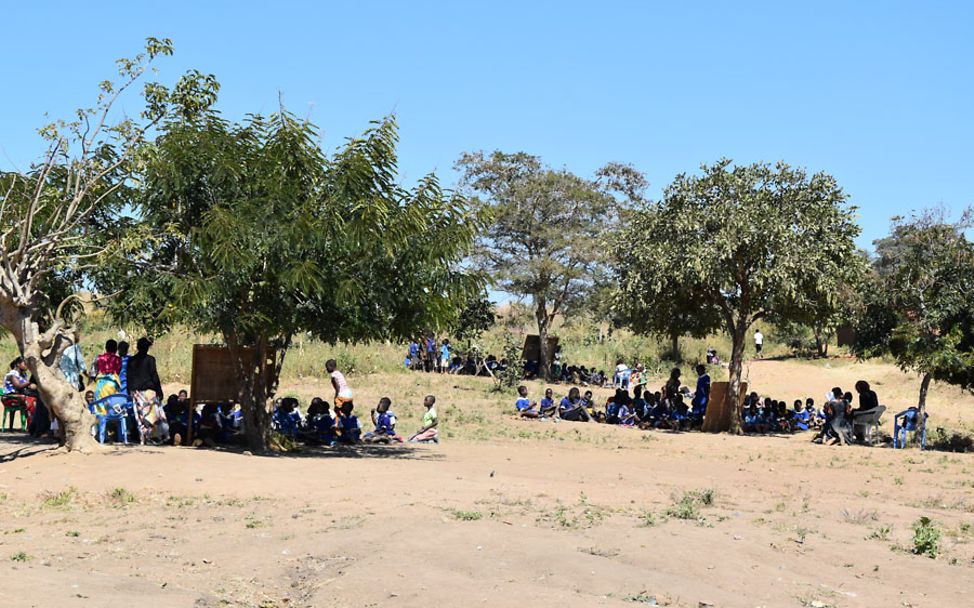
{"x":142,"y":375}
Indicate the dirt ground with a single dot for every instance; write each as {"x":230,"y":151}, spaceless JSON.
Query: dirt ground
{"x":501,"y":513}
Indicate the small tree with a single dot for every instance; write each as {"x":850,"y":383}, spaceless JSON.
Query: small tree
{"x":918,"y":302}
{"x":60,"y":220}
{"x":252,"y":232}
{"x":737,"y":244}
{"x":547,"y":235}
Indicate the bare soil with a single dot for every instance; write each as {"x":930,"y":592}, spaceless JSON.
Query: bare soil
{"x":502,"y":513}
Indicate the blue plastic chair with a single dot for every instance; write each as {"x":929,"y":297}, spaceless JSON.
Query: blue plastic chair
{"x":910,"y":418}
{"x":621,"y":379}
{"x":112,"y":408}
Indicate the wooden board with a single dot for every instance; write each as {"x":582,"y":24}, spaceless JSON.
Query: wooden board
{"x":719,"y":409}
{"x":532,"y":348}
{"x":214,"y":379}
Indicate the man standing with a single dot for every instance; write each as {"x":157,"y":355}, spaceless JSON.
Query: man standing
{"x":758,"y":343}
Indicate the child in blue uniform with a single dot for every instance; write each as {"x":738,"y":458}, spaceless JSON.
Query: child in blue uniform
{"x":385,"y":424}
{"x":349,"y":431}
{"x":524,"y":406}
{"x":548,"y":407}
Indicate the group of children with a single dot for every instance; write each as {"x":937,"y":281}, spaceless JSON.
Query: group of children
{"x":672,"y":407}
{"x":321,"y":426}
{"x":771,"y":416}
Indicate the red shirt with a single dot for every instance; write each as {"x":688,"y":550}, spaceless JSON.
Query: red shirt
{"x":108,"y":363}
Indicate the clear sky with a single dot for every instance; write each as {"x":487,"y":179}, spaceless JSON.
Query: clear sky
{"x":879,"y":94}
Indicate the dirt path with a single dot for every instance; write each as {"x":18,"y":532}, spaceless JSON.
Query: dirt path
{"x":508,"y":523}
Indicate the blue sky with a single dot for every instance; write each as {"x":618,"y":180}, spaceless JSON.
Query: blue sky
{"x":878,"y":94}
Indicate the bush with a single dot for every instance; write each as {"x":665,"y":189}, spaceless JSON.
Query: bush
{"x":926,"y":538}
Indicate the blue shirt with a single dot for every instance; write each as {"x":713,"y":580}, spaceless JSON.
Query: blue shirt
{"x":547,"y":403}
{"x":522,"y":404}
{"x":123,"y":376}
{"x":566,"y":404}
{"x":445,"y":352}
{"x":702,"y":395}
{"x":413,"y":349}
{"x":385,"y":424}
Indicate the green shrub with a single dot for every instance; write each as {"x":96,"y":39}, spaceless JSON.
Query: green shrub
{"x":926,"y":538}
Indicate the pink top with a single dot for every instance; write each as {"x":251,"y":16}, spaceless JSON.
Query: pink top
{"x":344,"y":390}
{"x":108,"y":363}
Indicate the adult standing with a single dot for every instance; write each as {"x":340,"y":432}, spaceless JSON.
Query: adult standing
{"x":146,"y":392}
{"x":123,"y":353}
{"x":73,"y":366}
{"x":758,"y":342}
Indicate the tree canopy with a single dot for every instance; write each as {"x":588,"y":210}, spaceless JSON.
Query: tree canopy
{"x":736,"y":244}
{"x":545,"y":240}
{"x":250,"y":230}
{"x":918,"y":301}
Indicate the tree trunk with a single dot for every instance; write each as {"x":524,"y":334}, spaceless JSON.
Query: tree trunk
{"x":255,"y":388}
{"x":675,"y":348}
{"x":734,"y":378}
{"x":541,"y":314}
{"x":821,"y":342}
{"x":922,"y":408}
{"x":43,"y":360}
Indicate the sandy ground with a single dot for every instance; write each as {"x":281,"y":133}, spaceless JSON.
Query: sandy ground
{"x":542,"y":514}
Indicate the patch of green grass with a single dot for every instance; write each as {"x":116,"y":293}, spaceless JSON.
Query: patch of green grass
{"x":688,"y":506}
{"x":72,"y":533}
{"x":880,"y":533}
{"x":926,"y":538}
{"x":467,"y":515}
{"x":253,"y":522}
{"x":61,"y":499}
{"x":647,"y":519}
{"x":121,"y":497}
{"x":20,"y":556}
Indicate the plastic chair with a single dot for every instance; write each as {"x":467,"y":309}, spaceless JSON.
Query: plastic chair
{"x":112,"y":408}
{"x":910,"y":418}
{"x":621,"y":379}
{"x":868,"y":424}
{"x":13,"y":403}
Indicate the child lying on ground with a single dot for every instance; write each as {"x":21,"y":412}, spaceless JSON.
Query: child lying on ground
{"x":429,"y":432}
{"x":385,"y":424}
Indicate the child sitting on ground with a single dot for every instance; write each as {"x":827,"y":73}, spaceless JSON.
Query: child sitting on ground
{"x":800,"y":416}
{"x":588,"y":404}
{"x":319,"y":425}
{"x":429,"y":433}
{"x":385,"y":424}
{"x":349,"y":431}
{"x":548,"y":407}
{"x":524,"y":406}
{"x":753,"y":420}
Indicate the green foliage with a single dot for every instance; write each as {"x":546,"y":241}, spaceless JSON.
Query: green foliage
{"x":512,"y":375}
{"x":20,"y":556}
{"x":735,"y":245}
{"x":688,"y":506}
{"x":545,"y":241}
{"x":477,"y":316}
{"x":918,"y":301}
{"x":926,"y":538}
{"x":249,"y":230}
{"x":467,"y":515}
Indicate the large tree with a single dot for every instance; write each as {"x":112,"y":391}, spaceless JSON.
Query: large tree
{"x":251,"y":231}
{"x":739,"y":243}
{"x":60,"y":219}
{"x":918,"y":302}
{"x":546,"y":240}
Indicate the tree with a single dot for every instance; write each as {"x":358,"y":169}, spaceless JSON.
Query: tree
{"x":917,"y":303}
{"x":477,"y":316}
{"x":60,"y":220}
{"x":251,"y":231}
{"x":546,"y":238}
{"x":737,"y":244}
